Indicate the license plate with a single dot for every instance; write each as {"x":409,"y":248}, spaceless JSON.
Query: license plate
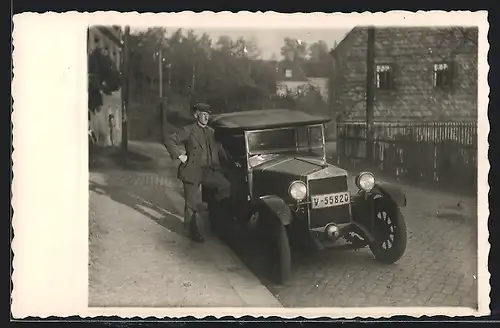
{"x":330,"y":200}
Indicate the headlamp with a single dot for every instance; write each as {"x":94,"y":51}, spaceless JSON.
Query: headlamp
{"x":298,"y":190}
{"x":365,"y":181}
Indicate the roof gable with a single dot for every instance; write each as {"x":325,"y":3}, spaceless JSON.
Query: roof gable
{"x":345,"y":42}
{"x":409,"y":40}
{"x":297,"y":72}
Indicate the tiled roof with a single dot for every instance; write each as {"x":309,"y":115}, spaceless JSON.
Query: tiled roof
{"x":111,"y":33}
{"x":296,"y":69}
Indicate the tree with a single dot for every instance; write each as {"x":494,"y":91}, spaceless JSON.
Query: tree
{"x":320,"y":61}
{"x":103,"y":78}
{"x":143,"y":57}
{"x":227,"y":73}
{"x":294,"y":49}
{"x":318,"y":51}
{"x":246,"y":49}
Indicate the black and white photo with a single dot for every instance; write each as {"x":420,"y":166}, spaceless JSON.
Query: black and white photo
{"x":284,"y":168}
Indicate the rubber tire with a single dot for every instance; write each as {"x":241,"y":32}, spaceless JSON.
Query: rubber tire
{"x":275,"y":247}
{"x":400,"y":238}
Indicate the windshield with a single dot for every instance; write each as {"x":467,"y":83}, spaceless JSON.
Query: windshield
{"x":303,"y":140}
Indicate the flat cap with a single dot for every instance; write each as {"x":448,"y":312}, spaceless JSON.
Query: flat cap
{"x":202,"y":107}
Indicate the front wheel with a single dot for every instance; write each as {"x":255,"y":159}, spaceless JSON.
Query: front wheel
{"x":390,"y":232}
{"x":275,"y":247}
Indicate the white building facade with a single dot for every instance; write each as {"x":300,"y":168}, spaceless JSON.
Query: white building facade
{"x":108,"y":39}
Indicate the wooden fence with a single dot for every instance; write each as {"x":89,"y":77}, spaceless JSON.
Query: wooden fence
{"x":439,"y":152}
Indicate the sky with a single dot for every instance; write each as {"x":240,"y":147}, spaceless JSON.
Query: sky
{"x":271,"y":40}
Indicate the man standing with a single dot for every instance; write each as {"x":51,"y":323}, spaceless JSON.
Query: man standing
{"x":200,"y":165}
{"x":111,"y":123}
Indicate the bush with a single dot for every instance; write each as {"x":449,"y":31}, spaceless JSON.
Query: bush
{"x":103,"y":78}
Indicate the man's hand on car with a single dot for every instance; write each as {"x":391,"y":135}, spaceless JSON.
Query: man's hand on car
{"x":183,"y":158}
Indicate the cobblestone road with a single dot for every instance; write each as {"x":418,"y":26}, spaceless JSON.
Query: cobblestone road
{"x":139,"y":256}
{"x":438,"y":269}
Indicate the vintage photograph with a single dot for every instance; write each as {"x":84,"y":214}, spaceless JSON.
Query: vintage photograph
{"x":292,"y":168}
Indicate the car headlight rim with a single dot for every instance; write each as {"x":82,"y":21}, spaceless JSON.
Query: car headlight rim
{"x":298,"y":190}
{"x":365,"y":181}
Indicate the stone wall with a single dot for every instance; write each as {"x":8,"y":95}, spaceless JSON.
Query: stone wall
{"x":412,"y":52}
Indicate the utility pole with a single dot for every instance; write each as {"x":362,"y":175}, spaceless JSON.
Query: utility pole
{"x":331,"y":91}
{"x":169,"y":66}
{"x":370,"y":92}
{"x":125,"y":89}
{"x":193,"y":78}
{"x":160,"y":78}
{"x":160,"y":71}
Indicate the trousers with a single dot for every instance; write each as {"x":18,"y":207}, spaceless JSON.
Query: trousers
{"x":211,"y":179}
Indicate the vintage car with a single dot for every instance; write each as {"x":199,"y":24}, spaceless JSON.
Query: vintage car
{"x":286,"y":189}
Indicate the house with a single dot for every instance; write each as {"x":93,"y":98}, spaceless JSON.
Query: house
{"x":421,"y":73}
{"x":292,"y":77}
{"x":108,"y":39}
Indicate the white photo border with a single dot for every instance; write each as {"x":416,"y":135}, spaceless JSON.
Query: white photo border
{"x":50,"y":184}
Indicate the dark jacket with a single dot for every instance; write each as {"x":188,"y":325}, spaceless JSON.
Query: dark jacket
{"x":190,"y":140}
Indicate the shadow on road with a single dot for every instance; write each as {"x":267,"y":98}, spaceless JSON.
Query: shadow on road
{"x":305,"y":262}
{"x":143,"y":203}
{"x":134,"y":159}
{"x":307,"y":268}
{"x":157,"y":206}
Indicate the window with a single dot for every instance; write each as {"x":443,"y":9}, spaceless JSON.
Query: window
{"x":304,"y":139}
{"x":288,"y":73}
{"x":442,"y":76}
{"x":235,"y":145}
{"x":384,"y":77}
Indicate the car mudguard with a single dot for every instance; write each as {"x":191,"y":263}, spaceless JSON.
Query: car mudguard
{"x":390,"y":191}
{"x":363,"y":206}
{"x":362,"y":214}
{"x":276,"y":206}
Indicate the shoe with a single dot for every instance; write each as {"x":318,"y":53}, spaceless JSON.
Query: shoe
{"x":196,"y":237}
{"x":224,"y":236}
{"x":194,"y":233}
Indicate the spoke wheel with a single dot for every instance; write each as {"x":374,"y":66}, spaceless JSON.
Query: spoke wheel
{"x":390,"y":231}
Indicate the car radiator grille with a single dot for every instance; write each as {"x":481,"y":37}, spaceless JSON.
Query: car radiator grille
{"x":322,"y":216}
{"x":328,"y":185}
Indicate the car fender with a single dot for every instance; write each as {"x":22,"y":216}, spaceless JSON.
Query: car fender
{"x":276,"y":206}
{"x":390,"y":191}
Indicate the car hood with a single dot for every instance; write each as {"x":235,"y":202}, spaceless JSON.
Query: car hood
{"x":274,"y":176}
{"x":293,"y":165}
